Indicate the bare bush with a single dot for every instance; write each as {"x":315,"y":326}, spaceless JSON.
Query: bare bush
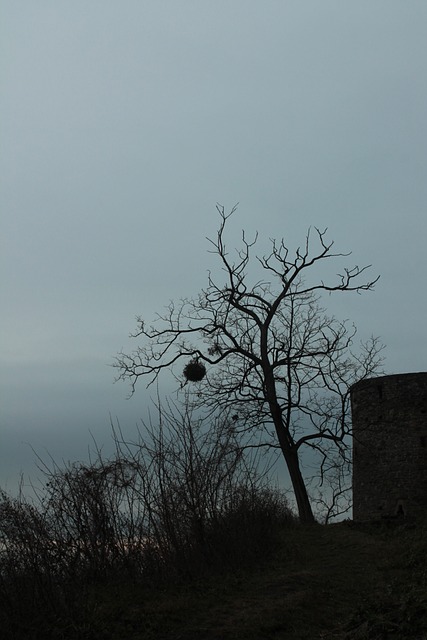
{"x":39,"y":596}
{"x":96,"y":513}
{"x":180,"y":499}
{"x":191,"y":474}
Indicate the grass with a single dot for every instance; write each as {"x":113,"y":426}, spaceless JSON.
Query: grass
{"x":335,"y":582}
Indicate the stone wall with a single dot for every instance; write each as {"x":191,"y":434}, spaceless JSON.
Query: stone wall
{"x":390,"y":446}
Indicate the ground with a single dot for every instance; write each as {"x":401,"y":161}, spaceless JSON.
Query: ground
{"x":343,"y":581}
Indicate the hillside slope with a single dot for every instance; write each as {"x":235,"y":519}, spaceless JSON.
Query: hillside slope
{"x":343,"y":581}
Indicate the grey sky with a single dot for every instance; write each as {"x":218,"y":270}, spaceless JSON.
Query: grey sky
{"x":123,"y":123}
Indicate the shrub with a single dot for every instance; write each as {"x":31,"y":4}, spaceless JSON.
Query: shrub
{"x":181,"y":500}
{"x":39,"y":595}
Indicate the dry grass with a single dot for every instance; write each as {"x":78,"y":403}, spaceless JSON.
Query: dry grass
{"x":335,"y":582}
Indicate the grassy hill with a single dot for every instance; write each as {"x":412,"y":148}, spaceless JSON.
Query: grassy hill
{"x":342,"y":581}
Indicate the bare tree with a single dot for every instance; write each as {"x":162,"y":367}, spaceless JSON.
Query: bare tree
{"x":266,"y":348}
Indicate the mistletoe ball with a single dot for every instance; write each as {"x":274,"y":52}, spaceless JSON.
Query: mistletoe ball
{"x":194,"y":371}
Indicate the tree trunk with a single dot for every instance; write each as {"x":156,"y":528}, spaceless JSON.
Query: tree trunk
{"x":290,"y":454}
{"x":305,"y":511}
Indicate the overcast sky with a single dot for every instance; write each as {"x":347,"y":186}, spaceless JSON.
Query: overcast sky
{"x":124,"y":123}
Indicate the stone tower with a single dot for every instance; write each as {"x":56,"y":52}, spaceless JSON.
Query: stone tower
{"x":390,"y":446}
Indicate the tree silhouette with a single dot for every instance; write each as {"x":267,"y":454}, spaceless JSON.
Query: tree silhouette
{"x":269,"y":351}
